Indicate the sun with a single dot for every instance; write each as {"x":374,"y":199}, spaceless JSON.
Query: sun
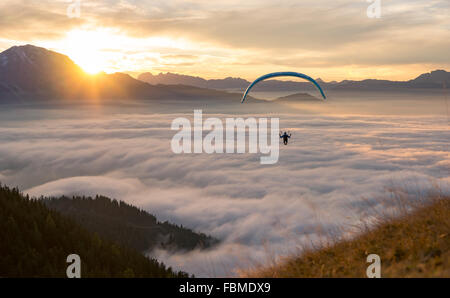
{"x":89,"y":63}
{"x":104,"y":49}
{"x":86,"y":49}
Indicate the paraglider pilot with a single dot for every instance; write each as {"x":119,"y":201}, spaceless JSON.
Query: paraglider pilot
{"x":285,"y":137}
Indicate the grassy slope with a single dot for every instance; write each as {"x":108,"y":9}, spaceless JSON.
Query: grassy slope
{"x":414,"y":245}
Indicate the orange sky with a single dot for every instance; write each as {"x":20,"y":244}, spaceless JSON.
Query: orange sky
{"x":333,"y":40}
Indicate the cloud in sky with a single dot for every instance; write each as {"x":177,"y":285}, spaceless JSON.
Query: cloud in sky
{"x":329,"y":39}
{"x":332,"y":166}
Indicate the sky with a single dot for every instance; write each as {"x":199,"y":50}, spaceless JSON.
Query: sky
{"x":330,"y":39}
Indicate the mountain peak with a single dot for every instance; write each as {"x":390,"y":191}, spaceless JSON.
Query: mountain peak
{"x":28,"y":48}
{"x":30,"y":54}
{"x":29,"y":68}
{"x":435,"y":76}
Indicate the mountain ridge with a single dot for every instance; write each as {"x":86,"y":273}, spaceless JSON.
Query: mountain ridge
{"x":126,"y":224}
{"x":30,"y":73}
{"x":434,"y":79}
{"x":35,"y":242}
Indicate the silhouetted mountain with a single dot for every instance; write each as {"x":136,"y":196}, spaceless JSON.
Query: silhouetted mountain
{"x":297,"y":97}
{"x":29,"y":69}
{"x":33,"y":73}
{"x":126,"y":224}
{"x":435,"y":79}
{"x":29,"y":73}
{"x":35,"y":242}
{"x":178,"y":79}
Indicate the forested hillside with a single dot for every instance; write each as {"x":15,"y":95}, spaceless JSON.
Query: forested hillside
{"x":126,"y":224}
{"x":35,"y":242}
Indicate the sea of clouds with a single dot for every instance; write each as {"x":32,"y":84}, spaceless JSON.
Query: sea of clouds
{"x":333,"y":168}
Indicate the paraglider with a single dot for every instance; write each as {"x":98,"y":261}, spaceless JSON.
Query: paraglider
{"x":282,"y":74}
{"x":285,"y":137}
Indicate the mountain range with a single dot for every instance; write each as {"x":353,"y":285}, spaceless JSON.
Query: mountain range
{"x":432,"y":80}
{"x":30,"y":73}
{"x":33,"y":73}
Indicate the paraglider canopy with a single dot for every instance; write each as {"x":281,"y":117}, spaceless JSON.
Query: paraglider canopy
{"x":282,"y":74}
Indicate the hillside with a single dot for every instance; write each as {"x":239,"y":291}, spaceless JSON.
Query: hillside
{"x":297,"y":97}
{"x":128,"y":225}
{"x":35,"y":242}
{"x":413,"y":245}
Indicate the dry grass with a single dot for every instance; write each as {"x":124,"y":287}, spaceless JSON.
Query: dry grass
{"x":412,"y":244}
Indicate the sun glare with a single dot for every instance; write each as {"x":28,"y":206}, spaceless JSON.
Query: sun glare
{"x":86,"y":48}
{"x":108,"y":50}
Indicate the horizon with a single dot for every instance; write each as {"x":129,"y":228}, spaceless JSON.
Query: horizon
{"x":331,"y":40}
{"x":136,"y":75}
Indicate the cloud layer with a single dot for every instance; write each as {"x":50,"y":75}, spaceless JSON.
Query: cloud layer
{"x":324,"y":178}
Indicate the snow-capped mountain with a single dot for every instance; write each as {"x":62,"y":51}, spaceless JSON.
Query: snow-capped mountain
{"x":25,"y":69}
{"x":33,"y":73}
